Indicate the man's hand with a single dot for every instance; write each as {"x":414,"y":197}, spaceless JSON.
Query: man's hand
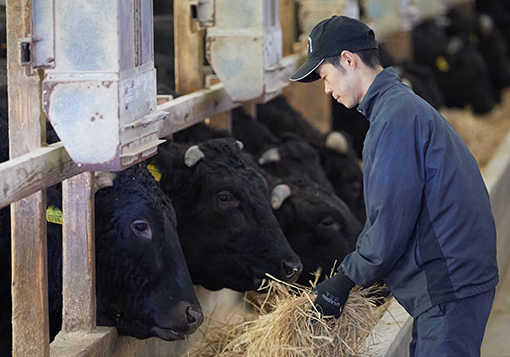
{"x":332,"y":294}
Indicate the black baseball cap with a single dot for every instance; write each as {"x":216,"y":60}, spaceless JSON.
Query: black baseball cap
{"x":329,"y":38}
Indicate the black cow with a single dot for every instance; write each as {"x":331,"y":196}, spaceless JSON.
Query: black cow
{"x":499,"y":11}
{"x":337,"y":158}
{"x":418,"y":77}
{"x":143,"y":286}
{"x":318,"y":225}
{"x":480,"y":31}
{"x":351,"y":122}
{"x":228,"y":233}
{"x":460,"y":69}
{"x":280,"y":156}
{"x":280,"y":117}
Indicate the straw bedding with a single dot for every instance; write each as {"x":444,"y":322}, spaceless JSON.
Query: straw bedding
{"x":288,"y":325}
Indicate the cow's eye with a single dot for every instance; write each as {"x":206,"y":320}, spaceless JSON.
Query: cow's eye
{"x":330,"y":223}
{"x":142,"y":229}
{"x":226,"y":199}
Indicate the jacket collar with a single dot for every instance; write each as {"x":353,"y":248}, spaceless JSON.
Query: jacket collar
{"x":384,"y":80}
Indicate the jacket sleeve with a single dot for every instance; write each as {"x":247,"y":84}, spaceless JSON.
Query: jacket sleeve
{"x":394,"y":186}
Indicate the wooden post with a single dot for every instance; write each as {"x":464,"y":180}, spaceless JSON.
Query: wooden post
{"x":222,"y":121}
{"x":78,"y":265}
{"x":307,"y":98}
{"x":288,"y":23}
{"x":29,"y":266}
{"x":189,"y":48}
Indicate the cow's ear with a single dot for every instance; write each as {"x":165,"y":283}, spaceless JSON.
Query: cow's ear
{"x":193,"y":155}
{"x":170,"y":163}
{"x":103,"y":179}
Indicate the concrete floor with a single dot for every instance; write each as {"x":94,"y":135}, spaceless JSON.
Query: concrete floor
{"x":496,"y":342}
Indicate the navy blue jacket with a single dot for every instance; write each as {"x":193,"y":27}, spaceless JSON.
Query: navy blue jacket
{"x":430,"y":233}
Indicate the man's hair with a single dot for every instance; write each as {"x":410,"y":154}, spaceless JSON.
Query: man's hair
{"x":369,"y":57}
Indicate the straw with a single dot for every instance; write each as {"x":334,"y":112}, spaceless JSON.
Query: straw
{"x":289,"y":325}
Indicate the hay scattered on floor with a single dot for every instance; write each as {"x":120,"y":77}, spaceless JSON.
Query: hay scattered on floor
{"x":482,"y":133}
{"x":289,"y":325}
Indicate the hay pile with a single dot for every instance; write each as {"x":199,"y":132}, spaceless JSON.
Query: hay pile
{"x":288,"y":325}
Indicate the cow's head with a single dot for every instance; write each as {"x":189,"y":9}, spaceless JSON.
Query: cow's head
{"x":228,"y":232}
{"x":346,"y":176}
{"x":319,"y":226}
{"x":294,"y":155}
{"x":143,"y":285}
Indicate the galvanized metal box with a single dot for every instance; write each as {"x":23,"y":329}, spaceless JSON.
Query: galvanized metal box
{"x":244,"y":47}
{"x":100,"y":91}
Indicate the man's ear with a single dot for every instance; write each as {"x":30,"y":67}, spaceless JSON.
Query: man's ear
{"x":349,"y":59}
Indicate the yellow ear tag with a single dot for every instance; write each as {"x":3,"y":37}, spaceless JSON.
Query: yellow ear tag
{"x":442,"y":64}
{"x":54,"y":215}
{"x":154,"y":171}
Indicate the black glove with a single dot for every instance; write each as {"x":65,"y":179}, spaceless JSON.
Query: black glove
{"x":332,"y":294}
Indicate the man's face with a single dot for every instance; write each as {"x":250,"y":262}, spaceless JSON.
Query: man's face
{"x":343,"y":85}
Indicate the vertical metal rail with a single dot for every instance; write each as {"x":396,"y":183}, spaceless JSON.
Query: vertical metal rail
{"x":29,"y":266}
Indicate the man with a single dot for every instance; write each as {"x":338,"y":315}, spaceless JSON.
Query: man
{"x":429,"y":233}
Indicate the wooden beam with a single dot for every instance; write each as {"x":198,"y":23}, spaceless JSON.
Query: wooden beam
{"x":78,"y":265}
{"x":193,"y":108}
{"x":102,"y":342}
{"x":27,"y":174}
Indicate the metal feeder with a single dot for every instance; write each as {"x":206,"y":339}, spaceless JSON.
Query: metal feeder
{"x":244,"y":47}
{"x":99,"y":87}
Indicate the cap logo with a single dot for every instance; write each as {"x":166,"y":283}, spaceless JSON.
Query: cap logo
{"x":310,"y":48}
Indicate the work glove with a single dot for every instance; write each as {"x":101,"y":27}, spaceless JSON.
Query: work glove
{"x":332,"y":294}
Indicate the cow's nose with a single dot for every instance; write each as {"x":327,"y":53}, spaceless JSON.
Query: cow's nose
{"x":291,"y":269}
{"x":195,"y":319}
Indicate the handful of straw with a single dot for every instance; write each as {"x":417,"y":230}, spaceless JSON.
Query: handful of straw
{"x":289,"y":325}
